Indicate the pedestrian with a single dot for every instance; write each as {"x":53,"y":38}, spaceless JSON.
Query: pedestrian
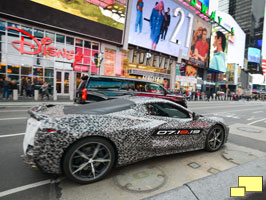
{"x":1,"y":85}
{"x":198,"y":95}
{"x":165,"y":25}
{"x":6,"y":88}
{"x":29,"y":89}
{"x":208,"y":95}
{"x":139,"y":18}
{"x":23,"y":86}
{"x":156,"y":20}
{"x":44,"y":90}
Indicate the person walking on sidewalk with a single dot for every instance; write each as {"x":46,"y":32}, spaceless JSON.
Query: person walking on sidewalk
{"x":28,"y":88}
{"x":6,"y":89}
{"x":1,"y":85}
{"x":44,"y":90}
{"x":23,"y":85}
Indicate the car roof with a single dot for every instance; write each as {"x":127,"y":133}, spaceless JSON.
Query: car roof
{"x":101,"y":107}
{"x":122,"y":78}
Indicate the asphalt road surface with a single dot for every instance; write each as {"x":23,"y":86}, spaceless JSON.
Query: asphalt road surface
{"x":18,"y":181}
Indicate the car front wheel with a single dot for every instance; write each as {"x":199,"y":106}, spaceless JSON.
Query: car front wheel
{"x":88,"y":160}
{"x":215,"y":138}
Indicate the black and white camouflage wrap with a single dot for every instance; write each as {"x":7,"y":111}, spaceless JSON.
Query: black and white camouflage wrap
{"x":130,"y":132}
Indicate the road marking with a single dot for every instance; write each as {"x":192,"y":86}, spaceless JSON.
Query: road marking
{"x":256,"y":121}
{"x":11,"y":135}
{"x":13,"y":118}
{"x":25,"y":187}
{"x":4,"y":111}
{"x":258,"y":112}
{"x":229,"y":111}
{"x":215,"y":107}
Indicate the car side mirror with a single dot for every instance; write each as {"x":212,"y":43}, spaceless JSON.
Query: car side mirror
{"x":195,"y":116}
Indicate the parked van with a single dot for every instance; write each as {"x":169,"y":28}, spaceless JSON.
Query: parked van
{"x":100,"y":88}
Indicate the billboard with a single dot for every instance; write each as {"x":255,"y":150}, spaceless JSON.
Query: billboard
{"x":96,"y":18}
{"x":163,"y":26}
{"x":254,"y":55}
{"x":205,"y":2}
{"x":200,"y":44}
{"x":218,"y":52}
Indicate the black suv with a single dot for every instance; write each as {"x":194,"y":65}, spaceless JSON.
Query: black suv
{"x":99,"y":88}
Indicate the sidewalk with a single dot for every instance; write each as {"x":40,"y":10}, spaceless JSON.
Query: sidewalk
{"x":217,"y":186}
{"x":29,"y":101}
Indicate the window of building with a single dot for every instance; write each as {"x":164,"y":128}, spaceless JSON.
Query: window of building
{"x":78,"y":42}
{"x":60,"y":38}
{"x":26,"y":70}
{"x":2,"y":25}
{"x":2,"y":68}
{"x":49,"y":72}
{"x":50,"y":35}
{"x":13,"y":77}
{"x":38,"y":71}
{"x":69,"y":40}
{"x":38,"y":33}
{"x":13,"y":69}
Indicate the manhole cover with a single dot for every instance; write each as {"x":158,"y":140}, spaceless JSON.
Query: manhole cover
{"x":249,"y":130}
{"x":238,"y":157}
{"x":140,"y":179}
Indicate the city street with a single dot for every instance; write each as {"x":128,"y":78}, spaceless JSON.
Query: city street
{"x":247,"y":141}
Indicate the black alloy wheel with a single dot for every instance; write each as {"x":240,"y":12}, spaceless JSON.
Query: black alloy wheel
{"x":88,"y":160}
{"x":215,"y":138}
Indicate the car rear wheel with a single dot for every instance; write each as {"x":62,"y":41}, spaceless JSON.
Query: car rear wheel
{"x":215,"y":138}
{"x":89,"y":160}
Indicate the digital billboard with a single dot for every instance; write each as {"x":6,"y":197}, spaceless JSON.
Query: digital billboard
{"x":163,"y":26}
{"x":254,"y":55}
{"x":218,"y":52}
{"x":200,"y":44}
{"x":205,"y":2}
{"x":96,"y":18}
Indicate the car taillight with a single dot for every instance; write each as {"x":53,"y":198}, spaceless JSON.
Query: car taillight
{"x":84,"y":94}
{"x":50,"y":130}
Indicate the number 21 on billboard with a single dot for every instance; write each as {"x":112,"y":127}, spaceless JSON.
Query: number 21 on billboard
{"x":179,"y":25}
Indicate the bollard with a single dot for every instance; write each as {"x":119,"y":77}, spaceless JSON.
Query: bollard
{"x":15,"y":94}
{"x":55,"y":95}
{"x":36,"y":95}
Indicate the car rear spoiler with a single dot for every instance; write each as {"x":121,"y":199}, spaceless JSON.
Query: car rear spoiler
{"x":39,"y":112}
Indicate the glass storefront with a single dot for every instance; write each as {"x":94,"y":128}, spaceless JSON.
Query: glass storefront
{"x":39,"y":67}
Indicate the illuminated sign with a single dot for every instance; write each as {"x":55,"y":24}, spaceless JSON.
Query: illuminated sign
{"x":168,"y":31}
{"x":42,"y":47}
{"x":203,"y":9}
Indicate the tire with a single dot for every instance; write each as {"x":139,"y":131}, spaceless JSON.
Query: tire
{"x":80,"y":164}
{"x":214,"y":142}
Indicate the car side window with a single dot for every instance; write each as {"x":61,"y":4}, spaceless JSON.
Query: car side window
{"x":167,"y":110}
{"x":140,"y":86}
{"x":154,"y":110}
{"x":154,"y":88}
{"x":104,"y":83}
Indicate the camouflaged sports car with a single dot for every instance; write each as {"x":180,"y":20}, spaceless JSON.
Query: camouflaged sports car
{"x":85,"y":141}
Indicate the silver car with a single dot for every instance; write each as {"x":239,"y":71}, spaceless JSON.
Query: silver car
{"x":85,"y":142}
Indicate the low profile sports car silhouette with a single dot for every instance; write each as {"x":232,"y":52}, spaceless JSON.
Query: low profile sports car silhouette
{"x":85,"y":141}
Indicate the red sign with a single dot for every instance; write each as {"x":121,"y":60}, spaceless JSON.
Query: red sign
{"x":41,"y":47}
{"x":264,"y":67}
